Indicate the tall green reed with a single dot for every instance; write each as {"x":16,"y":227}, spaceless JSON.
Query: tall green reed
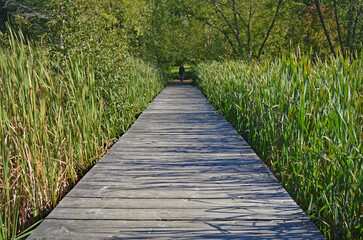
{"x":305,"y":120}
{"x":55,"y":123}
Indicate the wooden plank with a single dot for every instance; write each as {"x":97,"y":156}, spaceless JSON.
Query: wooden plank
{"x":186,"y":170}
{"x":155,"y":184}
{"x":113,"y":229}
{"x":181,"y":171}
{"x":176,"y":214}
{"x":175,"y":193}
{"x":117,"y":203}
{"x":192,"y":174}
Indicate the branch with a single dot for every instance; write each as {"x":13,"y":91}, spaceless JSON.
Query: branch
{"x":239,"y":15}
{"x":224,"y":32}
{"x":225,"y":19}
{"x":26,"y":11}
{"x":229,"y":41}
{"x":355,"y":24}
{"x":255,"y":9}
{"x":235,"y":32}
{"x":338,"y":28}
{"x":325,"y":30}
{"x":236,"y":20}
{"x":269,"y":30}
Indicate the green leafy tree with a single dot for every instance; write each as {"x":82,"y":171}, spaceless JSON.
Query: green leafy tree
{"x":237,"y":21}
{"x":36,"y":18}
{"x":177,"y":38}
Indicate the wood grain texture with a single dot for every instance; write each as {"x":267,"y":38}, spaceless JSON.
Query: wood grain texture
{"x":180,"y":172}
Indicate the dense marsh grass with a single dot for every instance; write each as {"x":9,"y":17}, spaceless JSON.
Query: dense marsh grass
{"x":56,"y":120}
{"x":305,"y":120}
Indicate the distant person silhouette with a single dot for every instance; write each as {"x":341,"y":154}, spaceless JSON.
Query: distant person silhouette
{"x":181,"y":73}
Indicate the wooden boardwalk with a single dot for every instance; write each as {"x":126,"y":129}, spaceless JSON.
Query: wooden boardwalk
{"x":181,"y":172}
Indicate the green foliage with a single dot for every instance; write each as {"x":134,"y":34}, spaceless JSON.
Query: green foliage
{"x":187,"y":31}
{"x":127,"y":93}
{"x":56,"y":121}
{"x":99,"y":52}
{"x":222,"y":34}
{"x":304,"y":119}
{"x":350,"y":18}
{"x":65,"y":101}
{"x":301,"y":30}
{"x":175,"y":38}
{"x":36,"y":18}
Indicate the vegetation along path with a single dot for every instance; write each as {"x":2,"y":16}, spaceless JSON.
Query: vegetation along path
{"x":181,"y":171}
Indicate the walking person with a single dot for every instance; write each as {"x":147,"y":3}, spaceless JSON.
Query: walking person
{"x":181,"y":73}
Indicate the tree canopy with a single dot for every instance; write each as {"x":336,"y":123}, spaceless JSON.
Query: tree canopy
{"x":173,"y":31}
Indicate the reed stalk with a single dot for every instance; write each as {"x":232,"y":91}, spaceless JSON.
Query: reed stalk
{"x":56,"y":121}
{"x":305,"y":120}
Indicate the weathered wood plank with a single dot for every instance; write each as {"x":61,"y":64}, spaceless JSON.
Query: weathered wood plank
{"x":111,"y":229}
{"x":117,"y":203}
{"x":181,"y":171}
{"x":175,"y":193}
{"x":176,"y":214}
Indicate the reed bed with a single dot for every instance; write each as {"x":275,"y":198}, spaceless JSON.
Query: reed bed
{"x":305,"y":120}
{"x":56,"y":120}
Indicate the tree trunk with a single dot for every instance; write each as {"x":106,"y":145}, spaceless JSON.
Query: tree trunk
{"x":249,"y":32}
{"x":325,"y":30}
{"x":349,"y":28}
{"x":190,"y":11}
{"x":356,"y":24}
{"x":338,"y":28}
{"x":229,"y":41}
{"x":237,"y":27}
{"x":229,"y":25}
{"x":269,"y":30}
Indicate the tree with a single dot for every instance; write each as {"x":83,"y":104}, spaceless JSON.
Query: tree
{"x":228,"y":17}
{"x":36,"y":18}
{"x":338,"y":28}
{"x":324,"y":27}
{"x":269,"y":30}
{"x":177,"y":38}
{"x":348,"y":23}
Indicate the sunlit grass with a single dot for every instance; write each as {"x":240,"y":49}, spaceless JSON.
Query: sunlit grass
{"x":56,"y":120}
{"x":305,"y":121}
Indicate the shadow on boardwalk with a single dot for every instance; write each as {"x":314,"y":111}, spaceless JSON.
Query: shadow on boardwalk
{"x":180,"y":172}
{"x":219,"y":230}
